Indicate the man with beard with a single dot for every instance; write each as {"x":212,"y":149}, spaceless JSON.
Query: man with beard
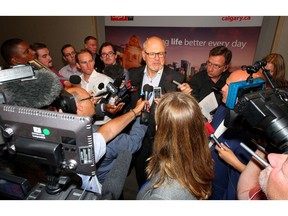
{"x":155,"y":74}
{"x":256,"y":183}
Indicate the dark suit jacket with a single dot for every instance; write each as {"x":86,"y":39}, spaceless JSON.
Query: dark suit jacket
{"x":136,"y":79}
{"x":224,"y":185}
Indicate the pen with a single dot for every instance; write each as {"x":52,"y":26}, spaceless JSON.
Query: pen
{"x":261,"y":160}
{"x":212,"y":136}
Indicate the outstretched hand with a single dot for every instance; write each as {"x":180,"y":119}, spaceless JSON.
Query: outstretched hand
{"x":112,"y":109}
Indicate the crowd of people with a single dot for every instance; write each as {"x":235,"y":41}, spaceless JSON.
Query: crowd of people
{"x":173,"y":156}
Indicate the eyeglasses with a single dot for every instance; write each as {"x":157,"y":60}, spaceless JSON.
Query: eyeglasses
{"x":215,"y":66}
{"x":70,"y":54}
{"x":152,"y":55}
{"x":88,"y":98}
{"x":107,"y":54}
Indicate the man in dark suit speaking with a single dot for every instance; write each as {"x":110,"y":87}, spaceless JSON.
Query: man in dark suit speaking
{"x":156,"y":74}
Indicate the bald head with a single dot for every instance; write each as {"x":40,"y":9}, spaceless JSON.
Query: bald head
{"x":237,"y":76}
{"x":241,"y":75}
{"x":154,"y":54}
{"x":152,"y":42}
{"x":84,"y":101}
{"x":78,"y":92}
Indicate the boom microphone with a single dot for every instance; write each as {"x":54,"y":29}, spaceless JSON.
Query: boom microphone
{"x":113,"y":184}
{"x":38,"y":92}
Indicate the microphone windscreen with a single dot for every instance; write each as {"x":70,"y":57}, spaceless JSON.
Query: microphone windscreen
{"x":114,"y":71}
{"x":147,"y":88}
{"x":75,"y":79}
{"x":115,"y":179}
{"x":36,"y":93}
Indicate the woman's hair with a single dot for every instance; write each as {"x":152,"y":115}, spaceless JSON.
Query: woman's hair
{"x":180,"y":149}
{"x":279,"y":65}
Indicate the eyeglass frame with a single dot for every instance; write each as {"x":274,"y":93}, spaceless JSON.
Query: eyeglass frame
{"x":215,"y":66}
{"x":70,"y":54}
{"x":152,"y":55}
{"x":104,"y":55}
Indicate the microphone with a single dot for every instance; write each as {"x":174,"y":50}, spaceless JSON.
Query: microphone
{"x":38,"y":92}
{"x":99,"y":90}
{"x":101,"y":86}
{"x":113,"y":88}
{"x":73,"y":79}
{"x":147,"y":89}
{"x":145,"y":115}
{"x":170,"y":79}
{"x":113,"y":184}
{"x":209,"y":129}
{"x":114,"y":71}
{"x":118,"y":81}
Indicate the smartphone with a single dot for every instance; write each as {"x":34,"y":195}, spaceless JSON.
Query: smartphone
{"x":213,"y":137}
{"x":157,"y":92}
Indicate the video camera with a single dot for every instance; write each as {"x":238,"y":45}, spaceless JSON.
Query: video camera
{"x":29,"y":134}
{"x":263,"y":110}
{"x":238,"y":89}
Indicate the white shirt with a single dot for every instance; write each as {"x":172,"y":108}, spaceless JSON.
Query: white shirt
{"x":153,"y":82}
{"x":94,"y":83}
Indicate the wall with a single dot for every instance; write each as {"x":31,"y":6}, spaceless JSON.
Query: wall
{"x":54,"y":31}
{"x":280,"y":44}
{"x":58,"y":30}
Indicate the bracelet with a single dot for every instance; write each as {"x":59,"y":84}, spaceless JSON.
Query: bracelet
{"x":134,"y":113}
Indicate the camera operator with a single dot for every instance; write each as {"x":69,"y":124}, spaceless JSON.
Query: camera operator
{"x":107,"y":134}
{"x":230,"y":160}
{"x":256,"y":183}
